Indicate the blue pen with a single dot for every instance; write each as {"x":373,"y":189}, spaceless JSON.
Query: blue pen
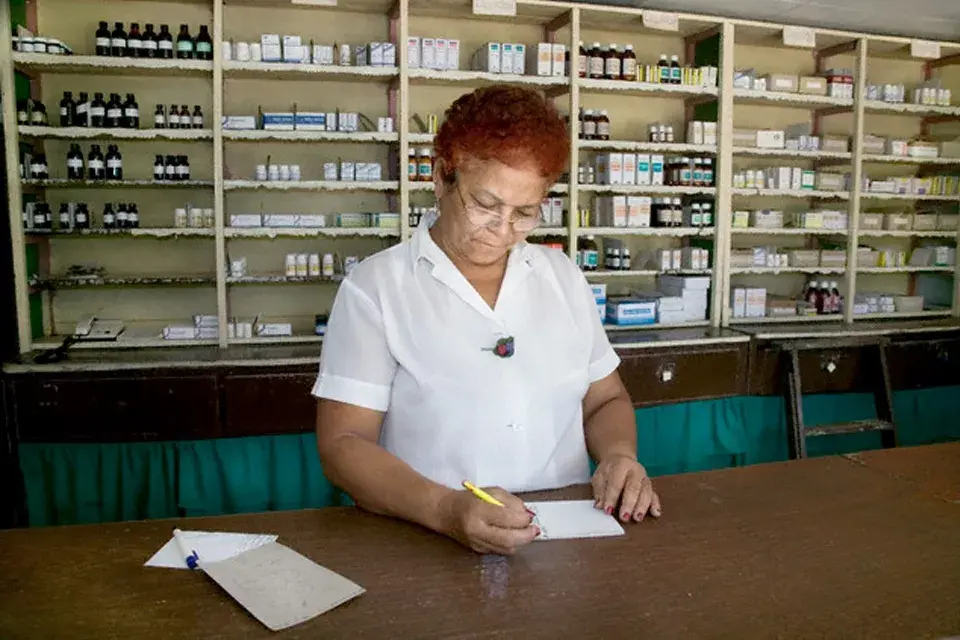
{"x":189,"y":556}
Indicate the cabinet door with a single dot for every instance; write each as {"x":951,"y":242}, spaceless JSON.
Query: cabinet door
{"x":116,"y":409}
{"x":267,"y":404}
{"x":665,"y":376}
{"x":917,"y":364}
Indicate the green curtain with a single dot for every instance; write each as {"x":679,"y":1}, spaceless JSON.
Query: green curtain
{"x":81,"y":483}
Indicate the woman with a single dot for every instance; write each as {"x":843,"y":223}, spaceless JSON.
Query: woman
{"x":467,"y":354}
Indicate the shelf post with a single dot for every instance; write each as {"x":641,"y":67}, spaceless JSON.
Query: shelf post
{"x":11,"y":145}
{"x":573,"y":107}
{"x":219,"y":205}
{"x":856,"y":179}
{"x":720,"y":291}
{"x":402,"y":22}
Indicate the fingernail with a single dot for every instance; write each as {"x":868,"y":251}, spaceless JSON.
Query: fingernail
{"x":608,"y":510}
{"x":532,"y":514}
{"x":624,"y":516}
{"x":537,"y":529}
{"x":656,"y":512}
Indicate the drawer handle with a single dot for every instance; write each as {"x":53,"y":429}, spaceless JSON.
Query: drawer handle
{"x":666,"y":372}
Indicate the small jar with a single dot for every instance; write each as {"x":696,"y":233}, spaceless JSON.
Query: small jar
{"x":425,"y":165}
{"x":290,"y":265}
{"x":180,"y":218}
{"x":412,"y":165}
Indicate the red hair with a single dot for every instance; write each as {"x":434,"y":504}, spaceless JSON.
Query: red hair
{"x":514,"y":125}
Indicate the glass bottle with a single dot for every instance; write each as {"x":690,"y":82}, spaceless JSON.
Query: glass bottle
{"x":81,"y":219}
{"x":98,"y":110}
{"x":134,"y":41}
{"x":68,"y":110}
{"x":96,"y":170}
{"x":170,"y":168}
{"x":114,"y":163}
{"x":114,"y":112}
{"x":596,"y":61}
{"x":158,"y":170}
{"x":611,"y":63}
{"x":628,"y":64}
{"x":123,"y":216}
{"x":603,"y":125}
{"x":589,"y":125}
{"x":159,"y":118}
{"x":133,"y":216}
{"x":82,"y":113}
{"x":38,"y":115}
{"x":74,"y":162}
{"x":109,"y":217}
{"x":102,"y":39}
{"x":131,"y":113}
{"x":65,"y":221}
{"x":148,"y":46}
{"x":185,"y":45}
{"x":583,"y":62}
{"x":676,"y":74}
{"x":204,"y":44}
{"x":118,"y":41}
{"x":197,"y":117}
{"x":183,"y":168}
{"x":663,"y":67}
{"x":173,"y":117}
{"x":165,"y":43}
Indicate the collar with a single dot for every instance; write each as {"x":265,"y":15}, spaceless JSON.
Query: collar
{"x":423,"y":247}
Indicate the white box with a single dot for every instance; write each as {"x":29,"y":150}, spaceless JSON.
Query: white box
{"x":292,"y":49}
{"x":519,"y":59}
{"x":453,"y":54}
{"x":629,"y":168}
{"x":771,"y":139}
{"x":710,"y":132}
{"x":796,"y":178}
{"x":540,"y":59}
{"x":428,"y":53}
{"x":361,"y":55}
{"x":413,"y":52}
{"x":643,"y":169}
{"x":638,"y":211}
{"x":330,"y":171}
{"x":656,"y":169}
{"x":439,"y":53}
{"x":506,"y":57}
{"x":756,"y":304}
{"x":389,"y":54}
{"x":487,"y":58}
{"x":375,"y":54}
{"x":556,"y":211}
{"x":270,"y":49}
{"x":558,"y":64}
{"x":738,"y":302}
{"x":695,"y":132}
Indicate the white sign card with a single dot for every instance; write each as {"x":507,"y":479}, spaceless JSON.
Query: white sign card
{"x":495,"y":7}
{"x":662,"y":20}
{"x":924,"y":49}
{"x":799,"y":37}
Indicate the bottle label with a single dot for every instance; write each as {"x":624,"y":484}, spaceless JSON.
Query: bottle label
{"x":65,"y":218}
{"x":613,"y":66}
{"x":165,"y":45}
{"x":159,"y":120}
{"x":596,"y":66}
{"x":182,"y":170}
{"x":134,"y":43}
{"x":158,"y":173}
{"x":81,"y":217}
{"x":697,"y":175}
{"x":122,"y":216}
{"x":198,"y":121}
{"x":97,"y":111}
{"x":63,"y":112}
{"x":173,"y":118}
{"x":83,"y":108}
{"x":118,"y":42}
{"x":675,"y":74}
{"x":149,"y":45}
{"x":664,"y":74}
{"x":74,"y":163}
{"x":22,"y":117}
{"x":204,"y":47}
{"x":36,"y":117}
{"x":184,"y":46}
{"x":708,"y":176}
{"x":169,"y":170}
{"x":108,"y":218}
{"x":131,"y":112}
{"x":114,"y":112}
{"x":114,"y":163}
{"x":103,"y":42}
{"x":629,"y":68}
{"x":603,"y":129}
{"x":589,"y":128}
{"x":582,"y":64}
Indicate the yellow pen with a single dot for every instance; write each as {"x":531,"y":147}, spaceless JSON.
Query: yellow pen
{"x":483,"y":495}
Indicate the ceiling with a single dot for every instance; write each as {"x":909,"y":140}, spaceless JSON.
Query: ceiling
{"x":934,"y":19}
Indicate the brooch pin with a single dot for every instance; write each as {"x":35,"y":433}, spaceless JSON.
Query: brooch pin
{"x":503,"y":348}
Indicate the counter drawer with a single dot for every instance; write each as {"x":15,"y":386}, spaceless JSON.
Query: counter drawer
{"x":680,"y":375}
{"x":268,"y":404}
{"x":919,"y":364}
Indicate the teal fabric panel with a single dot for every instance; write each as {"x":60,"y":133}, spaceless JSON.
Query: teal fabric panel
{"x":266,"y":473}
{"x":84,"y":483}
{"x":928,"y":415}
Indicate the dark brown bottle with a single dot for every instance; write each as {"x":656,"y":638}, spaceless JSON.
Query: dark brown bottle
{"x":603,"y":125}
{"x":204,"y":45}
{"x":596,"y":61}
{"x":628,"y":64}
{"x":118,"y":41}
{"x":584,"y":61}
{"x":165,"y":43}
{"x":611,"y":63}
{"x":134,"y":41}
{"x":148,"y":46}
{"x":185,"y":47}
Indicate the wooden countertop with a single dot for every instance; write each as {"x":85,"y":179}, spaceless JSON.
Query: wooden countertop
{"x":786,"y":331}
{"x":819,"y":548}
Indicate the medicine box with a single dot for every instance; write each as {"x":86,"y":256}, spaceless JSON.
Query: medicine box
{"x":558,"y":63}
{"x":631,"y":312}
{"x":781,"y":82}
{"x":813,"y":85}
{"x":738,"y":302}
{"x":246,"y":220}
{"x":599,"y":292}
{"x":629,"y":168}
{"x":312,"y":220}
{"x":656,"y":169}
{"x":487,"y":58}
{"x":428,"y":53}
{"x":541,"y":59}
{"x":643,"y":169}
{"x":310,"y":121}
{"x":771,"y":139}
{"x":638,"y":211}
{"x":245,"y":123}
{"x":278,"y":122}
{"x":506,"y":58}
{"x":292,"y":49}
{"x":756,"y":302}
{"x":439,"y":53}
{"x":283,"y":220}
{"x":519,"y":59}
{"x":270,"y":48}
{"x":453,"y":54}
{"x":413,"y":52}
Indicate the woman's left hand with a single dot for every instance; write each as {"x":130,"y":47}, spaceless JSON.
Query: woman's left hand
{"x":621,"y":480}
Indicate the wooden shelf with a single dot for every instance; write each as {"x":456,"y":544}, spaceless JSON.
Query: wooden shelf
{"x":789,"y":193}
{"x":796,"y":100}
{"x":85,"y":133}
{"x":885,"y":270}
{"x":908,"y":196}
{"x":674,"y":232}
{"x":282,"y":279}
{"x":887,"y":159}
{"x":648,"y":189}
{"x":926,"y":313}
{"x":47,"y":63}
{"x":756,"y":231}
{"x":128,"y":281}
{"x":882,"y":233}
{"x":311,"y":232}
{"x":654,"y":327}
{"x":297,"y":71}
{"x":787,"y":319}
{"x":480,"y":78}
{"x":307,"y":136}
{"x":791,"y":153}
{"x":142,"y":232}
{"x":310,"y":185}
{"x":63,"y":183}
{"x":906,"y":109}
{"x":775,"y":271}
{"x":651,"y":89}
{"x":647,"y":147}
{"x":644,"y":273}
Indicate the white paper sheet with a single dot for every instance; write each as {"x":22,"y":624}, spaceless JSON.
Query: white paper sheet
{"x":563,"y":519}
{"x":211,"y":546}
{"x":279,"y":586}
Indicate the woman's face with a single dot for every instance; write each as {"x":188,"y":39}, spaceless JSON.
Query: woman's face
{"x":479,"y":205}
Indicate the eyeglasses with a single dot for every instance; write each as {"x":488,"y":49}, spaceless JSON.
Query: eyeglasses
{"x":483,"y":217}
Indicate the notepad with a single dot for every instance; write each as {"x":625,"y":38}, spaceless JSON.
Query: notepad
{"x":564,"y":519}
{"x":212,"y":546}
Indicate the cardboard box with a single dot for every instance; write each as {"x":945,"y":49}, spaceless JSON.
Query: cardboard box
{"x":487,"y":58}
{"x":782,"y":82}
{"x":638,"y":211}
{"x":246,"y":220}
{"x":453,"y":55}
{"x":631,"y":312}
{"x":506,"y":58}
{"x":813,"y":85}
{"x":278,"y":122}
{"x":738,"y":302}
{"x":519,"y":59}
{"x":644,"y":175}
{"x":656,"y":170}
{"x":270,"y":47}
{"x":558,"y":64}
{"x":771,"y":139}
{"x":413,"y":52}
{"x":756,"y":302}
{"x":541,"y":58}
{"x":310,"y":121}
{"x":629,"y":168}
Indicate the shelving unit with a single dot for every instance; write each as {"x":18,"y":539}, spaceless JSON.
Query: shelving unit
{"x":223,"y":160}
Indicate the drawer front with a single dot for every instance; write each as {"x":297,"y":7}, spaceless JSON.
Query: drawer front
{"x":924,"y":363}
{"x":116,"y":409}
{"x":269,"y":404}
{"x":659,"y":377}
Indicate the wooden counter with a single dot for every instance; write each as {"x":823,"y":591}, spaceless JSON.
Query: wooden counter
{"x":819,"y":548}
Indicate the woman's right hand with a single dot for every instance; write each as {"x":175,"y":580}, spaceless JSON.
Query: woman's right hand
{"x":487,"y":528}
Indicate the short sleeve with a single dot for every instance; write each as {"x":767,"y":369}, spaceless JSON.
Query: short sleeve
{"x":603,"y":359}
{"x":356,"y":366}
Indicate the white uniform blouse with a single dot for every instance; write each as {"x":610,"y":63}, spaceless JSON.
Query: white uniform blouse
{"x":409,"y":336}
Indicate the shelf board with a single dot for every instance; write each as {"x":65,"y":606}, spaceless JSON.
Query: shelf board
{"x":308,"y":136}
{"x":775,"y":271}
{"x":311,"y":185}
{"x":908,"y":196}
{"x":298,"y":71}
{"x":926,"y":313}
{"x":675,"y":232}
{"x":645,"y":273}
{"x":86,"y":133}
{"x":789,"y":153}
{"x":655,"y":326}
{"x":128,"y":281}
{"x":837,"y":317}
{"x":421,"y":138}
{"x":648,"y":189}
{"x":541,"y":232}
{"x":907,"y":269}
{"x":651,"y":147}
{"x":63,"y":183}
{"x":653,"y":89}
{"x":103,"y":65}
{"x":142,"y":232}
{"x":797,"y":100}
{"x":907,"y":109}
{"x":308,"y":232}
{"x":461,"y":77}
{"x":123,"y":342}
{"x":881,"y":233}
{"x":261,"y":340}
{"x":790,"y":193}
{"x":356,"y":6}
{"x":870,"y":157}
{"x":755,"y":231}
{"x":282,"y":279}
{"x":557,"y":188}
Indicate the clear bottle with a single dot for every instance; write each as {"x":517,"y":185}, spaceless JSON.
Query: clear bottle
{"x":109,"y":217}
{"x":158,"y":168}
{"x":628,"y":64}
{"x":596,"y":61}
{"x":118,"y":41}
{"x":98,"y":110}
{"x":96,"y":169}
{"x":669,"y":134}
{"x":114,"y":117}
{"x":102,"y":39}
{"x":612,"y":63}
{"x":114,"y":163}
{"x":68,"y":110}
{"x":173,"y":117}
{"x":131,"y":113}
{"x":134,"y":41}
{"x":676,"y":74}
{"x":654,"y":134}
{"x":82,"y":113}
{"x":204,"y":44}
{"x":165,"y":43}
{"x":603,"y":125}
{"x":159,"y":118}
{"x":663,"y":67}
{"x":185,"y":45}
{"x":197,"y":117}
{"x":148,"y":46}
